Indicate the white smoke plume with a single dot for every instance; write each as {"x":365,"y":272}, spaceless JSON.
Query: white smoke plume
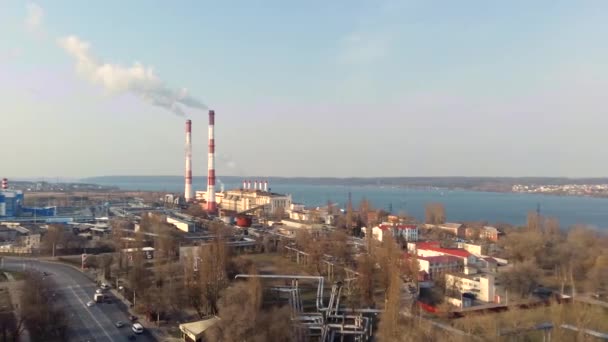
{"x":136,"y":79}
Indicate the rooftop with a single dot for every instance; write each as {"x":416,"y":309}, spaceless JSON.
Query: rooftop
{"x":443,"y":259}
{"x":450,"y":251}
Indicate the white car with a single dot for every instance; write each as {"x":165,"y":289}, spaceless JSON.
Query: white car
{"x":98,"y":291}
{"x":137,"y":328}
{"x":105,"y":286}
{"x":90,"y":303}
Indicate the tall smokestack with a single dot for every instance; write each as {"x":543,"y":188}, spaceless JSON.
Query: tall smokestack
{"x":248,"y":185}
{"x":4,"y":183}
{"x":211,"y":204}
{"x":188,"y":180}
{"x":255,"y":185}
{"x":266,"y":186}
{"x":244,"y":184}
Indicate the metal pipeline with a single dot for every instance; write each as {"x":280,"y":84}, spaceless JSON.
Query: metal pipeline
{"x":319,"y":300}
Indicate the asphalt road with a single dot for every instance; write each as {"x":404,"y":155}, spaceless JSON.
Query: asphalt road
{"x":96,"y":323}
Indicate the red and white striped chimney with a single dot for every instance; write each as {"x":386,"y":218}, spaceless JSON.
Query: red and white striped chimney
{"x":188,"y":177}
{"x":211,"y":204}
{"x":4,"y":183}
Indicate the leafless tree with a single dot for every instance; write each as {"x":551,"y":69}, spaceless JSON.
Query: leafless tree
{"x":435,"y":213}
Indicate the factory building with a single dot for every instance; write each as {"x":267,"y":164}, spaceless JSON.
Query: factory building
{"x":11,"y":202}
{"x":241,"y":200}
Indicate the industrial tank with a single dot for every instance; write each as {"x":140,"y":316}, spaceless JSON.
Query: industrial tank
{"x":243,"y":221}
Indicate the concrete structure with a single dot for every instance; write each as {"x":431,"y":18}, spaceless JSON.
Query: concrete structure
{"x":482,"y":285}
{"x":456,"y":229}
{"x":181,"y":224}
{"x":211,"y":201}
{"x":194,"y":331}
{"x":240,"y":200}
{"x":438,"y":266}
{"x":188,"y":195}
{"x":407,"y":231}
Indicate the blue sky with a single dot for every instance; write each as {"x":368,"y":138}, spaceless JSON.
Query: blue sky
{"x":306,"y":88}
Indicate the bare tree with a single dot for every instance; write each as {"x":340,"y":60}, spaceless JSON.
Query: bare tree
{"x":44,"y":319}
{"x":435,"y":213}
{"x":212,"y":272}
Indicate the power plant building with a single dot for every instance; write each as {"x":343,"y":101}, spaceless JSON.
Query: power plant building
{"x":11,"y":202}
{"x":241,"y":200}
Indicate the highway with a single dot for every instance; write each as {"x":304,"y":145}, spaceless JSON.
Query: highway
{"x":96,"y":323}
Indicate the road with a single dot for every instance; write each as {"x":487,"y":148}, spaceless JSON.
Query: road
{"x":96,"y":323}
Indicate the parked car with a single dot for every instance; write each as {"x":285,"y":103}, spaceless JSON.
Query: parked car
{"x":132,"y":318}
{"x":119,"y":324}
{"x":104,"y":286}
{"x":137,"y":328}
{"x":90,"y":303}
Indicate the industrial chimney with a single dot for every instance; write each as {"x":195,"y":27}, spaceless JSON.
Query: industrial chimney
{"x":188,"y":178}
{"x":211,"y":204}
{"x":244,"y":184}
{"x":4,"y":184}
{"x":248,"y":185}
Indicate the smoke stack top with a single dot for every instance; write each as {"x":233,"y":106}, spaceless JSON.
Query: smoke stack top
{"x":4,"y":183}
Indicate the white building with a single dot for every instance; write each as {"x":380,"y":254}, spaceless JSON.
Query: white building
{"x":482,"y":285}
{"x":180,"y":224}
{"x":437,"y":266}
{"x":240,"y":200}
{"x":407,"y":231}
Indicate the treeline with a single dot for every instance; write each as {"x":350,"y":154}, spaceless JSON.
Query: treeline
{"x":440,"y":182}
{"x":574,"y":260}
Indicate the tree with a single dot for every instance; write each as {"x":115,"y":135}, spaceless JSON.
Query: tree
{"x":388,"y":329}
{"x":364,"y":210}
{"x":53,"y":237}
{"x":196,"y":210}
{"x":365,"y":279}
{"x":44,"y":319}
{"x":434,"y":213}
{"x":213,"y":272}
{"x":243,"y":317}
{"x":521,"y":279}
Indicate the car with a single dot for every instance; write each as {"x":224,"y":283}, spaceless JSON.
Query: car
{"x":137,"y":328}
{"x":132,"y":318}
{"x":90,"y":303}
{"x":119,"y":324}
{"x":104,"y":286}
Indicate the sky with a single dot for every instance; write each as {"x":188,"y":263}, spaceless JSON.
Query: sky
{"x":340,"y":88}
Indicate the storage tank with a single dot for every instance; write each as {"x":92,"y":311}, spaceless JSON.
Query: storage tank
{"x":243,"y":221}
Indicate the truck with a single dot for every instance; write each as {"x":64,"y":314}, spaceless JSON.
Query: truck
{"x":98,"y":298}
